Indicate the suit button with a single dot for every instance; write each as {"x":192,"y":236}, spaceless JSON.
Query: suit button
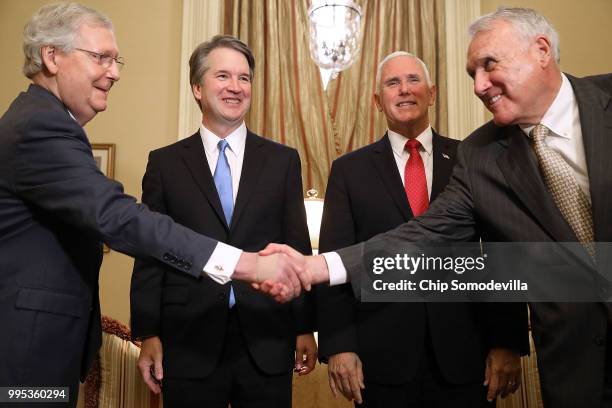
{"x":180,"y":264}
{"x":166,"y":257}
{"x":187,"y":266}
{"x":599,"y":340}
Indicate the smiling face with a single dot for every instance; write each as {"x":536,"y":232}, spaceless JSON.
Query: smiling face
{"x":82,"y":84}
{"x":404,"y":96}
{"x":511,"y":75}
{"x":224,"y":93}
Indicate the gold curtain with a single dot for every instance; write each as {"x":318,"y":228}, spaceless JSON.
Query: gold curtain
{"x":289,"y":104}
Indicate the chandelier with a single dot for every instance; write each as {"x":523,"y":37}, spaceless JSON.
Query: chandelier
{"x":335,"y":35}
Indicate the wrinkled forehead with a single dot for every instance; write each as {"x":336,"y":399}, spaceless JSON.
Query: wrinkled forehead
{"x":497,"y":43}
{"x":96,"y":37}
{"x":499,"y":34}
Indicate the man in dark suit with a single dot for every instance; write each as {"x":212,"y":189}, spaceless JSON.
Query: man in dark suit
{"x":406,"y":354}
{"x":215,"y":344}
{"x":56,"y":207}
{"x":545,"y":124}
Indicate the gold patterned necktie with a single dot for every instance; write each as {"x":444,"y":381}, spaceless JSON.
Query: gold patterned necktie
{"x":569,"y":198}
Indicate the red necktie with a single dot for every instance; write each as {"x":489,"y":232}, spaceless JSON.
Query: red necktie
{"x":415,"y":182}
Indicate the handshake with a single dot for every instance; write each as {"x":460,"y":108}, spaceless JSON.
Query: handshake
{"x":280,"y":271}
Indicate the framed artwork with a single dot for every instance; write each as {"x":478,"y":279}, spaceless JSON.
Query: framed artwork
{"x":104,"y":155}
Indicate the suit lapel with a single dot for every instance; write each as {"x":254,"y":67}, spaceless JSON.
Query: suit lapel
{"x":194,"y":158}
{"x":385,"y":164}
{"x":595,"y":109}
{"x":443,"y":162}
{"x":254,"y":161}
{"x":519,"y":166}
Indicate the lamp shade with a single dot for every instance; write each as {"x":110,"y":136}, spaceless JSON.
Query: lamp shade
{"x":314,"y":213}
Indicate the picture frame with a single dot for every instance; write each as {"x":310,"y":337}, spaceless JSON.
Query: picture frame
{"x":104,"y":155}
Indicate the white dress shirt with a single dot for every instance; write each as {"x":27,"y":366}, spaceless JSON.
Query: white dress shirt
{"x":337,"y":272}
{"x":223,"y":260}
{"x":234,"y":152}
{"x":401,"y":155}
{"x":565,"y":136}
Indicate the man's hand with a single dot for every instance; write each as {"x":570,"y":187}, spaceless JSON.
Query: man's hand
{"x":305,"y":353}
{"x":315,"y":266}
{"x":282,"y":272}
{"x":315,"y":270}
{"x":503,"y":372}
{"x":346,"y":376}
{"x":150,"y":363}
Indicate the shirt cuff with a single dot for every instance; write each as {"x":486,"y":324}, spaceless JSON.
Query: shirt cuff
{"x":222,"y":263}
{"x":337,"y":271}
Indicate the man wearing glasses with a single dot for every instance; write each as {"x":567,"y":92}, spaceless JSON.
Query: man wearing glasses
{"x":56,"y":208}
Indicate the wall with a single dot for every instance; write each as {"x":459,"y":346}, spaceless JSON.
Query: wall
{"x":583,"y":27}
{"x":143,"y":105}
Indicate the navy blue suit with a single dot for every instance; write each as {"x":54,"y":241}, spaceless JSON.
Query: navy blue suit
{"x":56,"y":209}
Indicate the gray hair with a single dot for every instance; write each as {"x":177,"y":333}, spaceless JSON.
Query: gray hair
{"x":528,"y":23}
{"x":56,"y":25}
{"x":198,"y":62}
{"x":399,"y":54}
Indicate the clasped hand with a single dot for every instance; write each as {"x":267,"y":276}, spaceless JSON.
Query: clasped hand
{"x":280,"y":271}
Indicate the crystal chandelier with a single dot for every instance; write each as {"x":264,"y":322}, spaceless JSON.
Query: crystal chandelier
{"x":335,"y":35}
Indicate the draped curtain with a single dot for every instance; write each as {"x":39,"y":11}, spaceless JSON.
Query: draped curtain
{"x":289,"y":104}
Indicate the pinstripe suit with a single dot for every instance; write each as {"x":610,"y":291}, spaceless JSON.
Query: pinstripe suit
{"x":496,"y":192}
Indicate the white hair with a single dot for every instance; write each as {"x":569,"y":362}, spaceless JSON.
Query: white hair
{"x":528,"y":23}
{"x":56,"y":25}
{"x":399,"y":54}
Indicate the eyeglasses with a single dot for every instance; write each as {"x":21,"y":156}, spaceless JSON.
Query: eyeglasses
{"x":104,"y":60}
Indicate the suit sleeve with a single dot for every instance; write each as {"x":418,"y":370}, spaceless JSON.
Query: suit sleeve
{"x":296,"y":236}
{"x":450,"y":218}
{"x":148,"y":274}
{"x":336,"y":304}
{"x":55,"y":171}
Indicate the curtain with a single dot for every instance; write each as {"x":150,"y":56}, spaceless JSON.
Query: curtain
{"x":289,"y":104}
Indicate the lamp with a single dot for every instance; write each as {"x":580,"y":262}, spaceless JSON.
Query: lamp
{"x":314,"y":213}
{"x":335,"y":35}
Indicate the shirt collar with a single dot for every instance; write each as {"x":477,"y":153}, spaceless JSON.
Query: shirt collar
{"x":398,"y":141}
{"x":236,"y":140}
{"x":557,"y":117}
{"x":71,"y":115}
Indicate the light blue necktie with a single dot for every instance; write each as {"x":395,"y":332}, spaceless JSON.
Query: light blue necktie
{"x":223,"y":181}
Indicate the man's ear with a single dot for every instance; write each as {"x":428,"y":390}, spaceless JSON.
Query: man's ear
{"x":543,"y":48}
{"x":48,"y":54}
{"x":377,"y":102}
{"x":197,"y":91}
{"x":432,"y":95}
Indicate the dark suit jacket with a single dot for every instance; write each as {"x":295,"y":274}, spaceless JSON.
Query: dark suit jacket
{"x":56,"y":209}
{"x":365,"y":196}
{"x":496,"y":192}
{"x":191,"y":315}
